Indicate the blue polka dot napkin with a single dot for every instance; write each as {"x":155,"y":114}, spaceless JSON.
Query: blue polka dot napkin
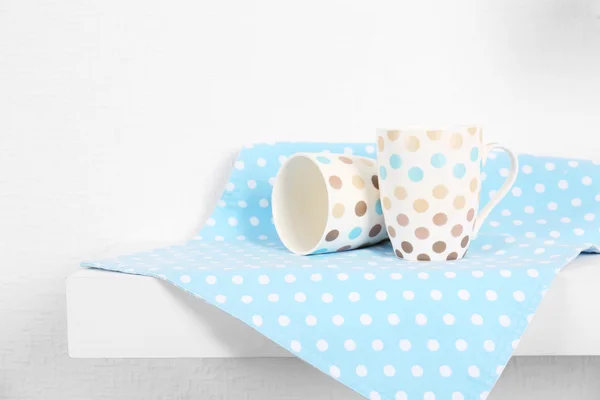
{"x":385,"y":327}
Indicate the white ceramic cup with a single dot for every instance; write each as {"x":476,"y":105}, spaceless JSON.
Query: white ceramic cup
{"x":430,"y":182}
{"x":325,"y":202}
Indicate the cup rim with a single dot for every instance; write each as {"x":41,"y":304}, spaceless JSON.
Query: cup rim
{"x":311,"y":157}
{"x":443,"y":129}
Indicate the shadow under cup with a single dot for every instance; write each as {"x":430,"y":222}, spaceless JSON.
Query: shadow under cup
{"x":326,"y":202}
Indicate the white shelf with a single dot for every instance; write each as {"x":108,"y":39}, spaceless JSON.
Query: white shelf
{"x":114,"y":315}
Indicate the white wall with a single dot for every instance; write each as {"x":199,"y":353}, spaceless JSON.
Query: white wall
{"x":115,"y":115}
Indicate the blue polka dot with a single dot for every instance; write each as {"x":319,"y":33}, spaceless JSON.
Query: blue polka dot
{"x":459,"y":170}
{"x":415,"y":174}
{"x":382,"y":172}
{"x":319,"y":251}
{"x":378,"y":208}
{"x":324,"y":160}
{"x":474,"y":154}
{"x":354,"y":233}
{"x":395,"y":161}
{"x":438,"y":160}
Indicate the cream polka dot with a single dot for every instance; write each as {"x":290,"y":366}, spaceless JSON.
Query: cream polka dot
{"x":474,"y":185}
{"x":440,"y":192}
{"x":434,"y":135}
{"x":412,"y":143}
{"x":358,"y":182}
{"x":456,"y":141}
{"x":393,"y":135}
{"x":459,"y":202}
{"x":421,"y":205}
{"x":380,"y":143}
{"x":387,"y":203}
{"x":400,"y":192}
{"x":338,"y":210}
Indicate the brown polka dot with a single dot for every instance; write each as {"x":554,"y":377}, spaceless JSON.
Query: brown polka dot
{"x":423,"y":257}
{"x":375,"y":230}
{"x":452,"y":256}
{"x":472,"y":130}
{"x":420,"y":205}
{"x":459,"y":202}
{"x":358,"y":182}
{"x":367,"y":162}
{"x":393,"y":135}
{"x":440,"y":192}
{"x":399,"y":254}
{"x":360,"y":209}
{"x":422,"y":233}
{"x":338,"y":210}
{"x":375,"y":181}
{"x":464,"y":242}
{"x":346,"y":160}
{"x":391,"y":231}
{"x":470,"y":215}
{"x":412,"y":143}
{"x":402,"y":219}
{"x":440,"y":219}
{"x":407,"y":247}
{"x":456,"y":141}
{"x":380,"y":143}
{"x":400,"y":193}
{"x":387,"y":203}
{"x":439,"y":247}
{"x":332,"y":235}
{"x":335,"y":182}
{"x":434,"y":135}
{"x":473,"y":185}
{"x":344,"y":248}
{"x":457,"y":230}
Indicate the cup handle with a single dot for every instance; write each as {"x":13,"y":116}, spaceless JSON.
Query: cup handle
{"x":510,"y":180}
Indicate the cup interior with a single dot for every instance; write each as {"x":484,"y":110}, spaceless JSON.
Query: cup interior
{"x":300,"y":205}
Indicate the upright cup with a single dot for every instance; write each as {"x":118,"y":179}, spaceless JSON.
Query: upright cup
{"x":326,"y":202}
{"x":430,"y":182}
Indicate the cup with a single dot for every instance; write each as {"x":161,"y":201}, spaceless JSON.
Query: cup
{"x":325,"y":202}
{"x":430,"y":183}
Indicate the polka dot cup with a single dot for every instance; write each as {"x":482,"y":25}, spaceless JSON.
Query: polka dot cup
{"x":326,"y":202}
{"x":430,"y":182}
